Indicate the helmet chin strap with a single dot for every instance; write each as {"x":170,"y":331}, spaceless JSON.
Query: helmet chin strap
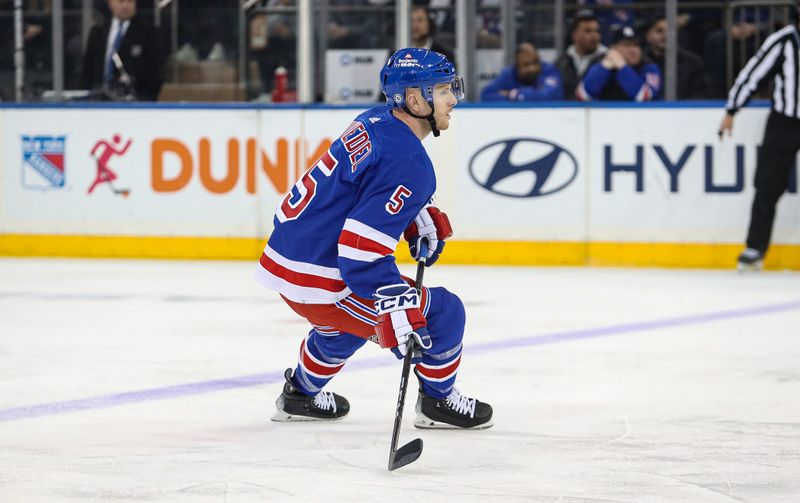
{"x":428,"y":117}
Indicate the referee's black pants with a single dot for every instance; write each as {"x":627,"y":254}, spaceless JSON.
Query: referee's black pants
{"x":775,"y":162}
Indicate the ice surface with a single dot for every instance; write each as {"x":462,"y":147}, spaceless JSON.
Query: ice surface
{"x":154,"y":381}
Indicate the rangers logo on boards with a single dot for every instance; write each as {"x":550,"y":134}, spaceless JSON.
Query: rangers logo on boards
{"x":43,"y":162}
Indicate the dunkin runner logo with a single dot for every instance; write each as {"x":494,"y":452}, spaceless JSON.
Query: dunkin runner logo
{"x":102,"y":152}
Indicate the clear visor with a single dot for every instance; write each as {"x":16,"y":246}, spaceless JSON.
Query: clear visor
{"x":457,"y":86}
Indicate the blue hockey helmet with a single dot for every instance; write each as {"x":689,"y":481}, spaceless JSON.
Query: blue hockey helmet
{"x":421,"y":68}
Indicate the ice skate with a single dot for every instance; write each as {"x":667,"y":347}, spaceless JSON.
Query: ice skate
{"x":292,"y":405}
{"x":750,"y":260}
{"x":453,"y":411}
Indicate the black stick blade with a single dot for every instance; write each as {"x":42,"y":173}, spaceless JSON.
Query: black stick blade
{"x":405,"y":454}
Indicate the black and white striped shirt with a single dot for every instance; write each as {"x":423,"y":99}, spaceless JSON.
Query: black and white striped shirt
{"x":777,"y":56}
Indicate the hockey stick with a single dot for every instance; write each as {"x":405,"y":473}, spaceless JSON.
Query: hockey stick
{"x":123,"y":192}
{"x":412,"y":450}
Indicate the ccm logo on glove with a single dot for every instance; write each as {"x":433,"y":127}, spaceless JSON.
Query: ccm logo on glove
{"x":400,"y":319}
{"x":404,"y":301}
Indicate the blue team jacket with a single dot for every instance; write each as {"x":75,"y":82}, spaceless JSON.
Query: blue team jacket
{"x":548,"y":86}
{"x":640,"y":83}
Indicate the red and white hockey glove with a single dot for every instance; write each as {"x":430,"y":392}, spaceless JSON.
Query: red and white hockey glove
{"x":430,"y":224}
{"x":400,"y":319}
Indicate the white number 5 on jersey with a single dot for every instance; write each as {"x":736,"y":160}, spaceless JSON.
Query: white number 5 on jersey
{"x":396,"y":202}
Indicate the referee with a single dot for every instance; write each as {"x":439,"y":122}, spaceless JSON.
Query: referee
{"x":779,"y":58}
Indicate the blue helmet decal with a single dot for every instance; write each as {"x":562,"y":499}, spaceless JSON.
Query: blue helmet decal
{"x":421,"y":68}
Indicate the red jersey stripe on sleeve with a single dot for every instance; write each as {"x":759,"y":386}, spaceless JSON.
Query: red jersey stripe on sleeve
{"x":358,"y":242}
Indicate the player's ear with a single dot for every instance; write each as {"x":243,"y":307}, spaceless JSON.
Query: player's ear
{"x":411,"y":100}
{"x":414,"y":101}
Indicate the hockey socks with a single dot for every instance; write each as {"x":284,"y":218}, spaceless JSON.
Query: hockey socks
{"x":315,"y":365}
{"x":437,"y":372}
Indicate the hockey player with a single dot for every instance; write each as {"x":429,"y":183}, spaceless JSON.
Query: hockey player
{"x":331,"y":259}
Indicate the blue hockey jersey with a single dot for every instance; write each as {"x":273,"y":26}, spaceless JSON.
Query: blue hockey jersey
{"x":338,"y":227}
{"x":638,"y":83}
{"x":548,"y":86}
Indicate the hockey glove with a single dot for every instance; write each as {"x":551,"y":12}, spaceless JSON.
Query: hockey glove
{"x":430,"y":224}
{"x":400,"y":319}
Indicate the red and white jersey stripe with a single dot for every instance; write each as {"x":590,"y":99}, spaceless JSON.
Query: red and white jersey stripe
{"x":327,"y":331}
{"x":300,"y":281}
{"x":361,"y":242}
{"x":308,"y":283}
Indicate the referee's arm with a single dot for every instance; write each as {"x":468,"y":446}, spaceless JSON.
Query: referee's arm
{"x":768,"y":56}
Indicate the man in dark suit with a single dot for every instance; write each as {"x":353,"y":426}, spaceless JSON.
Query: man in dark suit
{"x":138,"y":48}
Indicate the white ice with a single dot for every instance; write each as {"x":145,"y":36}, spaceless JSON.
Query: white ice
{"x":620,"y":385}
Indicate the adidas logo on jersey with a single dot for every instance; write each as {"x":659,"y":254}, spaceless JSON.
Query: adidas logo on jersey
{"x":374,"y":119}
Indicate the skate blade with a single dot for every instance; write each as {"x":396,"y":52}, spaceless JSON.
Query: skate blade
{"x":424,"y":422}
{"x":284,"y":417}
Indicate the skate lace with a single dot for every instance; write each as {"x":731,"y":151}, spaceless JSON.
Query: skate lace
{"x":325,"y":401}
{"x":461,"y":404}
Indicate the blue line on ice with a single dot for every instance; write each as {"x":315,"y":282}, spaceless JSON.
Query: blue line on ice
{"x":145,"y":395}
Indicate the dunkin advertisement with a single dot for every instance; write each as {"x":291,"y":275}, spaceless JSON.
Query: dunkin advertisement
{"x":572,"y":175}
{"x":150,"y":172}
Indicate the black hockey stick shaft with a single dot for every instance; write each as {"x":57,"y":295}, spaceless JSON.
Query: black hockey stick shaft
{"x":412,"y":450}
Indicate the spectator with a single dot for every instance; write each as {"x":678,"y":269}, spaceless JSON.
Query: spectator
{"x":205,"y":31}
{"x":7,"y":82}
{"x":423,"y":29}
{"x":529,"y":79}
{"x":535,"y":23}
{"x":351,"y":27}
{"x":137,"y":45}
{"x":623,"y":73}
{"x":585,"y":48}
{"x":273,"y":41}
{"x":695,"y":23}
{"x":693,"y":81}
{"x":38,"y":44}
{"x":610,"y":15}
{"x":489,"y":24}
{"x":749,"y":24}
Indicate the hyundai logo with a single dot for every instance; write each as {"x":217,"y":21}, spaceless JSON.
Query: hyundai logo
{"x":523,"y":167}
